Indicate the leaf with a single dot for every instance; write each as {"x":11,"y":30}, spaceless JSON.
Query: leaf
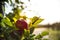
{"x":2,"y":24}
{"x":44,"y":33}
{"x":15,"y":35}
{"x":22,"y":2}
{"x":17,"y":12}
{"x":22,"y":7}
{"x":7,"y":21}
{"x":26,"y":33}
{"x":30,"y":23}
{"x":17,"y":1}
{"x":14,"y":19}
{"x":10,"y":16}
{"x":31,"y":30}
{"x":34,"y":19}
{"x":28,"y":36}
{"x":24,"y":17}
{"x":45,"y":39}
{"x":38,"y":21}
{"x":11,"y":3}
{"x":32,"y":35}
{"x":38,"y":36}
{"x":1,"y":17}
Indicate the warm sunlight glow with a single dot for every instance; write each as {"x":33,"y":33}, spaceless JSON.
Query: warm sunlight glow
{"x":47,"y":9}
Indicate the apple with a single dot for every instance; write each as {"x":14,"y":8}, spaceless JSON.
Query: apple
{"x":21,"y":24}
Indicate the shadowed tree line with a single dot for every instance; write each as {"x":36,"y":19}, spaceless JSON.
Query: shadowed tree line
{"x":53,"y":26}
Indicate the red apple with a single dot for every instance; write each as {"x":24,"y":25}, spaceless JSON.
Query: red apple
{"x":21,"y":24}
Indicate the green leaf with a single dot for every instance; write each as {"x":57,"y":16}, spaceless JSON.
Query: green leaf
{"x":38,"y":21}
{"x":44,"y":33}
{"x":1,"y":16}
{"x":31,"y":30}
{"x":32,"y":35}
{"x":22,"y":7}
{"x":22,"y":2}
{"x":2,"y":24}
{"x":11,"y":3}
{"x":28,"y":36}
{"x":38,"y":36}
{"x":34,"y":19}
{"x":17,"y":1}
{"x":17,"y":12}
{"x":10,"y":16}
{"x":26,"y":33}
{"x":45,"y":39}
{"x":14,"y":35}
{"x":7,"y":21}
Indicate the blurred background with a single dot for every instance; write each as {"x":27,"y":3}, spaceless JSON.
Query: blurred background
{"x":49,"y":10}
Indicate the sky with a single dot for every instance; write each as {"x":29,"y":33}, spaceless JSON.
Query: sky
{"x":49,"y":10}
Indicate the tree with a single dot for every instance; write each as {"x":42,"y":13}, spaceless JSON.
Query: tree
{"x":14,"y":26}
{"x":2,"y":4}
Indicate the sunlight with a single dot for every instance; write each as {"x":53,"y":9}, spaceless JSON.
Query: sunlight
{"x":47,"y":9}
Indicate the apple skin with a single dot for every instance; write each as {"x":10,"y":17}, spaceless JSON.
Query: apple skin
{"x":21,"y":24}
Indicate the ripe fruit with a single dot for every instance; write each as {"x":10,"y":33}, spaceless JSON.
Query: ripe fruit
{"x":21,"y":24}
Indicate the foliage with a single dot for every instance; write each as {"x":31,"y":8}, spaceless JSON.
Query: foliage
{"x":54,"y":26}
{"x":9,"y":30}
